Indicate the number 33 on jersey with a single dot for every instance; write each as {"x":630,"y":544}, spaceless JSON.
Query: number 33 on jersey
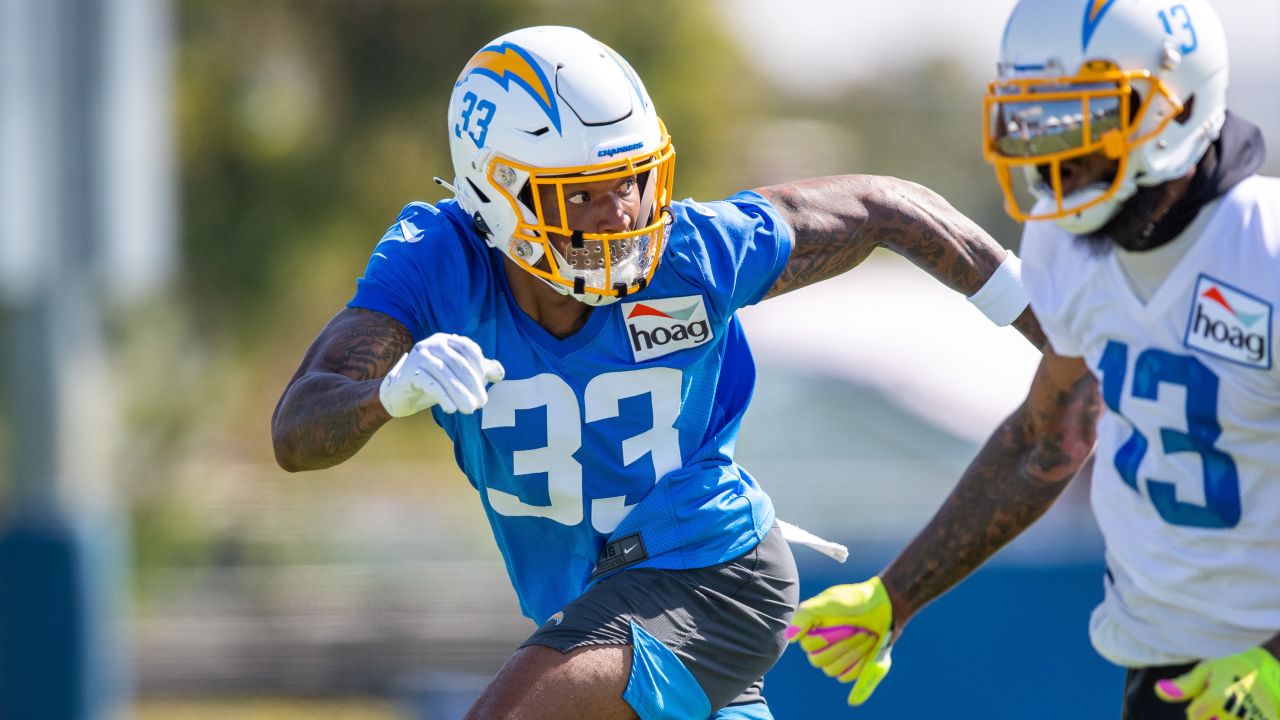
{"x":626,"y":427}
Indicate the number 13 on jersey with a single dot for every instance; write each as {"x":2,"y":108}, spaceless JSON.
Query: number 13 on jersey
{"x":1153,"y":367}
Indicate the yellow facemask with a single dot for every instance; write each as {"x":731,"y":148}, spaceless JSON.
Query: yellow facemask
{"x":1037,"y":124}
{"x":601,"y":264}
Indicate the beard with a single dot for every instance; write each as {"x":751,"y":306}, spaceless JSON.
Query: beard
{"x":1133,"y":227}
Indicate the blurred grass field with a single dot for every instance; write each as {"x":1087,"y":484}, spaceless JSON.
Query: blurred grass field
{"x":264,"y":709}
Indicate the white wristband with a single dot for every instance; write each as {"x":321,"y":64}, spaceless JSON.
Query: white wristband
{"x":1002,"y":299}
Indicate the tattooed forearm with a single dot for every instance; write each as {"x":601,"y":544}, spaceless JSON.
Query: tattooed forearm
{"x":838,"y":221}
{"x":1029,"y":326}
{"x":1022,"y":469}
{"x":324,"y":420}
{"x":330,"y":408}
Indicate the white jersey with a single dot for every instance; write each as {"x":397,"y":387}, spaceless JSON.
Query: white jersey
{"x":1186,"y":480}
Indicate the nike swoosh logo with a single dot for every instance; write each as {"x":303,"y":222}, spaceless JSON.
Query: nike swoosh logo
{"x":626,"y":551}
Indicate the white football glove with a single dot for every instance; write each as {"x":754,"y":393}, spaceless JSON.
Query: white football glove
{"x":443,"y":369}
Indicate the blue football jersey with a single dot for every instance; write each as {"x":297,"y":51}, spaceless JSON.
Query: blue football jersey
{"x":611,"y":448}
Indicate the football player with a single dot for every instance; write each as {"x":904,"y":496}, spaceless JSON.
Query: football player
{"x":571,"y":326}
{"x":1152,"y":259}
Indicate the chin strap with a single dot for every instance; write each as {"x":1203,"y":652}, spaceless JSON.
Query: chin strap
{"x":446,"y":186}
{"x":1091,"y":219}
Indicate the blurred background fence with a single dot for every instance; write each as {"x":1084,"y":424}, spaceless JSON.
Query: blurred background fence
{"x":188,"y":190}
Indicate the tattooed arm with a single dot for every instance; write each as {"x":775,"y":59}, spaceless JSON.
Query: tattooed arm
{"x":837,"y":221}
{"x":330,"y":408}
{"x":1024,"y":466}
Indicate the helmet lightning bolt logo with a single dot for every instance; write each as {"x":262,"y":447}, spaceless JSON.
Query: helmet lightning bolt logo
{"x":507,"y":63}
{"x":1094,"y":10}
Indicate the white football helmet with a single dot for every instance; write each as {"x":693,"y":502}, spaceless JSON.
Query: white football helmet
{"x":1143,"y":82}
{"x":542,"y":107}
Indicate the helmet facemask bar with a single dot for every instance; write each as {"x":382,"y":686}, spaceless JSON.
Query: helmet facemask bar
{"x":610,"y":264}
{"x":1037,"y":124}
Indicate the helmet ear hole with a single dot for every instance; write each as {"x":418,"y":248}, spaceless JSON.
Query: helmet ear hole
{"x":479,"y":193}
{"x":1187,"y":109}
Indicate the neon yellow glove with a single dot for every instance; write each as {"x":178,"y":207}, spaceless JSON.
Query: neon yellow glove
{"x":1245,"y":686}
{"x":847,"y":632}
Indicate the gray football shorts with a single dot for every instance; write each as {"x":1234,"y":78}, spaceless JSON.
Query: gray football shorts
{"x":724,"y":624}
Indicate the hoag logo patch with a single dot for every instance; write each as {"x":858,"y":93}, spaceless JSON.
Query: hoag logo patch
{"x":659,"y":327}
{"x":1229,"y":324}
